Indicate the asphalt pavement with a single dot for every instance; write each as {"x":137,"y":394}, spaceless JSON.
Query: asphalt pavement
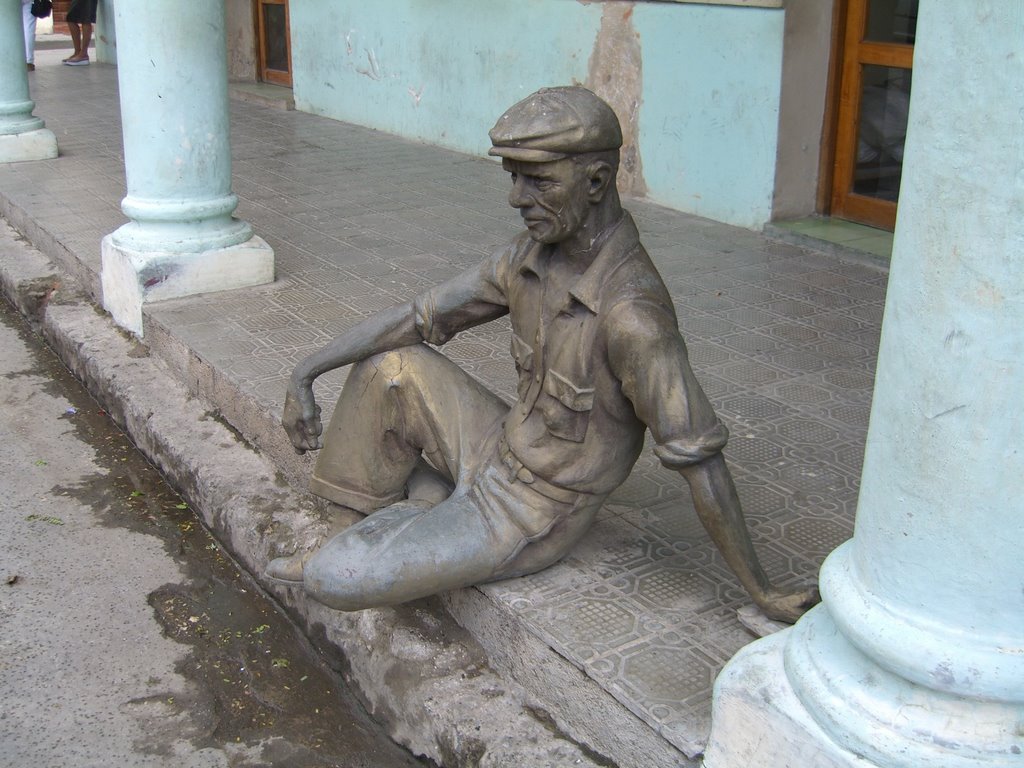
{"x":127,"y":637}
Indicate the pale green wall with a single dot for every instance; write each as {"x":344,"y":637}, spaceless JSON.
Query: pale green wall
{"x":709,"y":122}
{"x":467,"y":59}
{"x":442,"y":71}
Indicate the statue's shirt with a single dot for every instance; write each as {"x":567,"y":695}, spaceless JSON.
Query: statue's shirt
{"x":596,"y":364}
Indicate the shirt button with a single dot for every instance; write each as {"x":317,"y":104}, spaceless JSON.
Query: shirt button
{"x":537,"y":378}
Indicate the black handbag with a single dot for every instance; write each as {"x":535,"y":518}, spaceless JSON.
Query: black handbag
{"x":41,"y":8}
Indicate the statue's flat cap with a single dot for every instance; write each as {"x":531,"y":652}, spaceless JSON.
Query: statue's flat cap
{"x":554,"y":123}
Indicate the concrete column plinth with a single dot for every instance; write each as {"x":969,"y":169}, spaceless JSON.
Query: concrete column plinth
{"x":39,"y":144}
{"x":182,"y":238}
{"x":809,"y":697}
{"x":131,"y":278}
{"x":915,"y":659}
{"x":22,"y":135}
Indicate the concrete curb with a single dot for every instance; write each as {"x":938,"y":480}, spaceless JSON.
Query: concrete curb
{"x":419,"y":673}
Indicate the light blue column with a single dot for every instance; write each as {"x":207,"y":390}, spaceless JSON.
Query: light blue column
{"x":22,"y":135}
{"x":182,"y":238}
{"x":916,"y":657}
{"x":104,"y":34}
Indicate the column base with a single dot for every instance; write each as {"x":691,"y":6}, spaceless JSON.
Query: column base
{"x":132,"y":278}
{"x":39,"y":144}
{"x":807,"y":697}
{"x":758,"y":720}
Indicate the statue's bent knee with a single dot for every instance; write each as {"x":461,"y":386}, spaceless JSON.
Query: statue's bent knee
{"x":390,"y":366}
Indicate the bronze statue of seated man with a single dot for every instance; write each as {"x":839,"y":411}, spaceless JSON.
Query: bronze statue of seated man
{"x":458,"y":488}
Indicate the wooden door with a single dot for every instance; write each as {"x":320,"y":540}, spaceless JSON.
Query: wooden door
{"x":273,"y":34}
{"x":874,"y":96}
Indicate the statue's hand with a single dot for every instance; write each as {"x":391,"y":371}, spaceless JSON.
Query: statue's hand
{"x":788,"y":605}
{"x":301,"y":418}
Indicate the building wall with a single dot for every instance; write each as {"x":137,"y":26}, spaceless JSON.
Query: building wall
{"x":697,"y":86}
{"x":240,"y":26}
{"x":805,"y":73}
{"x":60,"y":10}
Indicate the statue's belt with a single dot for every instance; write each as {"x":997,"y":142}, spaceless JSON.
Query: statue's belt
{"x":523,"y":474}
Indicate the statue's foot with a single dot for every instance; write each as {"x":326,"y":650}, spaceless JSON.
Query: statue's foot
{"x":288,"y":571}
{"x":788,"y":605}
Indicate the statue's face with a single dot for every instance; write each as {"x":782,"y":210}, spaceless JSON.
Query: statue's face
{"x":551,"y":197}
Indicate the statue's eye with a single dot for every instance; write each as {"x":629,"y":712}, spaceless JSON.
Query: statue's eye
{"x":514,"y":177}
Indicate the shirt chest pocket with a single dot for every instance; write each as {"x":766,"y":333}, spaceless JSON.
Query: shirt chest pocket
{"x":566,"y":409}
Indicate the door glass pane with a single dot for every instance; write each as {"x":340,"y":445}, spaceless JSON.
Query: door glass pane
{"x":891,"y":21}
{"x":882,"y":131}
{"x":275,"y":39}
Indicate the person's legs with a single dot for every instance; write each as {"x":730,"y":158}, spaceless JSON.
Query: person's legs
{"x":76,"y":40}
{"x":86,"y":39}
{"x":80,"y":18}
{"x":29,"y":22}
{"x":81,"y":40}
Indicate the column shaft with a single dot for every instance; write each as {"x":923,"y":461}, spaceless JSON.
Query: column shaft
{"x":916,"y":658}
{"x":22,"y":135}
{"x":182,"y":238}
{"x":104,"y":34}
{"x":174,"y":114}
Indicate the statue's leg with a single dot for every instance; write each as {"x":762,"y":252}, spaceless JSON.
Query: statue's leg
{"x":404,"y":425}
{"x":401,"y":553}
{"x":396,"y":410}
{"x":495,"y":525}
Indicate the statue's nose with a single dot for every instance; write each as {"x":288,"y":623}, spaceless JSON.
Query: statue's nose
{"x":519,"y":197}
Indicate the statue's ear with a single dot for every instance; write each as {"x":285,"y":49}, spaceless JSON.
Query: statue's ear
{"x":600,"y":176}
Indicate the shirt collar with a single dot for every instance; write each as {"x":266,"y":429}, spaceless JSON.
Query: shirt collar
{"x":619,"y":239}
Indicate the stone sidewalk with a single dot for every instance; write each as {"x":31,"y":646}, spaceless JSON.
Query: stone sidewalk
{"x":644,"y":613}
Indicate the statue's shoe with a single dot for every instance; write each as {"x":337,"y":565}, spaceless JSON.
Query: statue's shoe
{"x":287,"y":571}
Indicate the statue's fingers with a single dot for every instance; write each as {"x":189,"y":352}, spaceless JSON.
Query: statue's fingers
{"x":313,"y":436}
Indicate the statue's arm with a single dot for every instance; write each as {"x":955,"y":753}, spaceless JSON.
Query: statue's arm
{"x":648,"y":355}
{"x":468,"y":299}
{"x":384,"y":331}
{"x":718,"y":507}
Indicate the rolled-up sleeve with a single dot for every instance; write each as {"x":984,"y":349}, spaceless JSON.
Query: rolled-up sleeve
{"x":647,"y":354}
{"x":468,"y":299}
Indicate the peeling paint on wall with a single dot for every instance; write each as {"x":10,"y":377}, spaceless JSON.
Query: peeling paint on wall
{"x":615,"y":73}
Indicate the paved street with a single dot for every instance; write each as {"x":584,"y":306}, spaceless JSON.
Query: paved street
{"x":126,"y":637}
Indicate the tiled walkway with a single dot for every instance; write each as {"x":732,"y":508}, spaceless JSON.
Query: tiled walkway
{"x":784,"y":340}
